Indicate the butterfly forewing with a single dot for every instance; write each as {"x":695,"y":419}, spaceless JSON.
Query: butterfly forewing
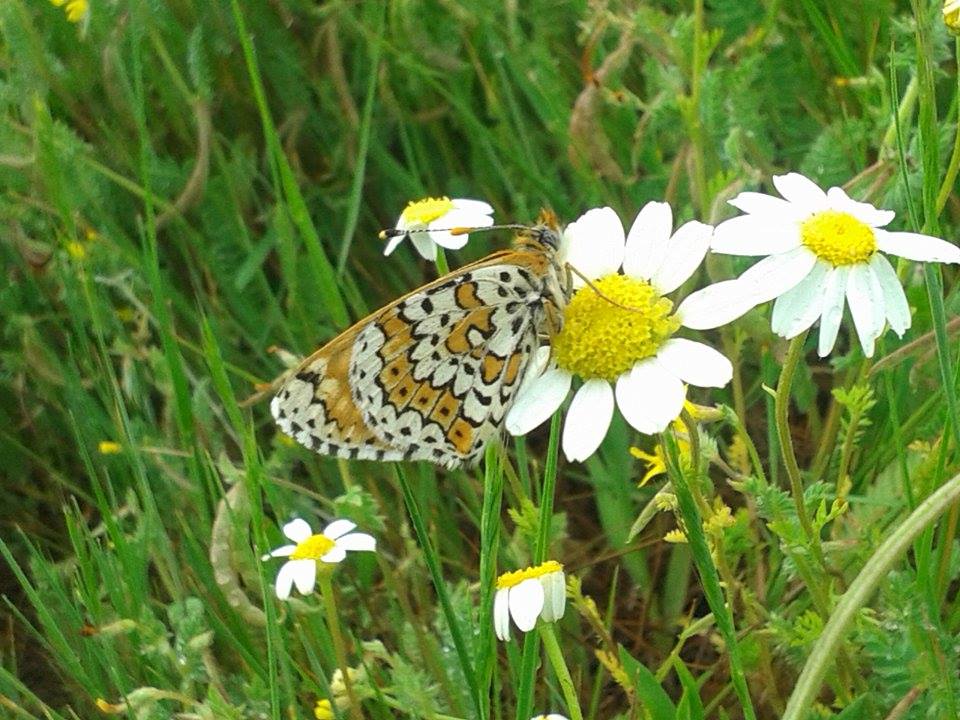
{"x":431,"y":376}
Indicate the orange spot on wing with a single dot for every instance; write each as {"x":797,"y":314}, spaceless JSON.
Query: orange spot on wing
{"x":458,"y":341}
{"x":446,"y":410}
{"x":491,"y":367}
{"x":460,"y":435}
{"x":466,"y":296}
{"x":513,"y":368}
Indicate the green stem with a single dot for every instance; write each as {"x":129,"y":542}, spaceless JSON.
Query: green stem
{"x":559,"y":665}
{"x":324,"y":576}
{"x":781,"y":412}
{"x":433,"y":565}
{"x":861,"y":589}
{"x":441,"y":261}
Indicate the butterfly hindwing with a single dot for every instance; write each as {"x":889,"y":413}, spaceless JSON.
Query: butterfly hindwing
{"x":430,"y":376}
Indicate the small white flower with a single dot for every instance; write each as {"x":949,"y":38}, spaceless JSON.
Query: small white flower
{"x":330,"y":546}
{"x":618,"y":334}
{"x":551,"y":716}
{"x":823,"y":249}
{"x":525,"y":595}
{"x":433,"y":218}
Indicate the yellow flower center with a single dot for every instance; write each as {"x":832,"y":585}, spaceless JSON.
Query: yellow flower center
{"x":313,"y":548}
{"x":424,"y":212}
{"x":602,"y":340}
{"x":508,"y":580}
{"x":838,"y":238}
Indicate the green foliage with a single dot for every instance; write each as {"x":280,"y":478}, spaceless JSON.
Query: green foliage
{"x":190,"y":196}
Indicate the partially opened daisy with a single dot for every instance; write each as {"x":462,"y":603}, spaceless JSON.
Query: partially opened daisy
{"x":618,"y":331}
{"x":330,"y":546}
{"x":434,"y":217}
{"x":824,"y":250}
{"x":528,"y":594}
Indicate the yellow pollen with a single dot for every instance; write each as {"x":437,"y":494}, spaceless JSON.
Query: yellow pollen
{"x":508,"y":580}
{"x":602,"y":340}
{"x":313,"y":548}
{"x":424,"y":212}
{"x":838,"y":238}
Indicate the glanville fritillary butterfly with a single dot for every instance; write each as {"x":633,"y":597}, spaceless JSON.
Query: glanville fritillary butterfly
{"x":432,"y":375}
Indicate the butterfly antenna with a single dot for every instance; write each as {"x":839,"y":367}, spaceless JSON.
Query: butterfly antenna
{"x":396,"y":232}
{"x":599,"y":292}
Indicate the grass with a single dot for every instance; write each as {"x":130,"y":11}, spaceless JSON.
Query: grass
{"x":192,"y":191}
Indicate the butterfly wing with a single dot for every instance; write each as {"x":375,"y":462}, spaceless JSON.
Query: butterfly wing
{"x":430,"y":376}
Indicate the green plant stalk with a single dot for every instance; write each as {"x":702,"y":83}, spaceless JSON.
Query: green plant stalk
{"x":708,"y":574}
{"x":781,"y":413}
{"x":953,"y":166}
{"x":489,"y":543}
{"x":433,"y":565}
{"x":324,"y":576}
{"x":441,"y":262}
{"x":555,"y":654}
{"x":531,"y":644}
{"x":861,"y":589}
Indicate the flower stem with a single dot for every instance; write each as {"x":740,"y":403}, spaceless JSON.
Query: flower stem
{"x":333,"y":624}
{"x":441,"y":261}
{"x":781,"y":411}
{"x":559,"y":665}
{"x":861,"y":589}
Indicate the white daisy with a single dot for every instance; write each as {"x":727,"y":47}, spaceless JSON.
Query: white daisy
{"x":822,"y":248}
{"x":528,"y":594}
{"x":618,"y":334}
{"x":330,"y":546}
{"x":551,"y":716}
{"x":428,"y":222}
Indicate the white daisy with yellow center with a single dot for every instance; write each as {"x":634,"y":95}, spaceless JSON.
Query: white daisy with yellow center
{"x":330,"y":546}
{"x":618,"y":331}
{"x":528,"y":594}
{"x":428,"y":223}
{"x":823,"y":249}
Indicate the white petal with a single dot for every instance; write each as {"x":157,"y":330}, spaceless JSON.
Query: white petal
{"x":755,"y":235}
{"x":801,"y":190}
{"x":338,"y":528}
{"x":649,"y":396}
{"x":695,"y":363}
{"x":297,"y":530}
{"x":501,"y":614}
{"x":716,"y":305}
{"x":475,"y":207}
{"x":776,"y":274}
{"x":282,"y":551}
{"x":424,"y":245}
{"x":915,"y":246}
{"x":393,"y":243}
{"x":894,"y":299}
{"x":646,"y":240}
{"x":864,"y":212}
{"x":285,"y":580}
{"x":865,"y":298}
{"x":755,"y":203}
{"x":304,"y":575}
{"x":446,"y":239}
{"x":539,"y":401}
{"x":588,"y":418}
{"x":684,"y":253}
{"x":358,"y":542}
{"x":535,"y":368}
{"x":833,"y":295}
{"x":554,"y":596}
{"x":593,"y":244}
{"x":526,"y":602}
{"x":799,"y":307}
{"x":335,"y":555}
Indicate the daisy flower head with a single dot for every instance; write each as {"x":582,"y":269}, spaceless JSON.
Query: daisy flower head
{"x":823,"y":250}
{"x":617,"y":333}
{"x":76,"y":10}
{"x":428,"y":223}
{"x":329,"y":546}
{"x":528,"y":594}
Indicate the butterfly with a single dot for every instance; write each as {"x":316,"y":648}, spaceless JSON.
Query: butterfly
{"x":432,"y":375}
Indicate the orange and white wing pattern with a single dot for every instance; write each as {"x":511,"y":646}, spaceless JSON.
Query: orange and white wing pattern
{"x":431,"y":376}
